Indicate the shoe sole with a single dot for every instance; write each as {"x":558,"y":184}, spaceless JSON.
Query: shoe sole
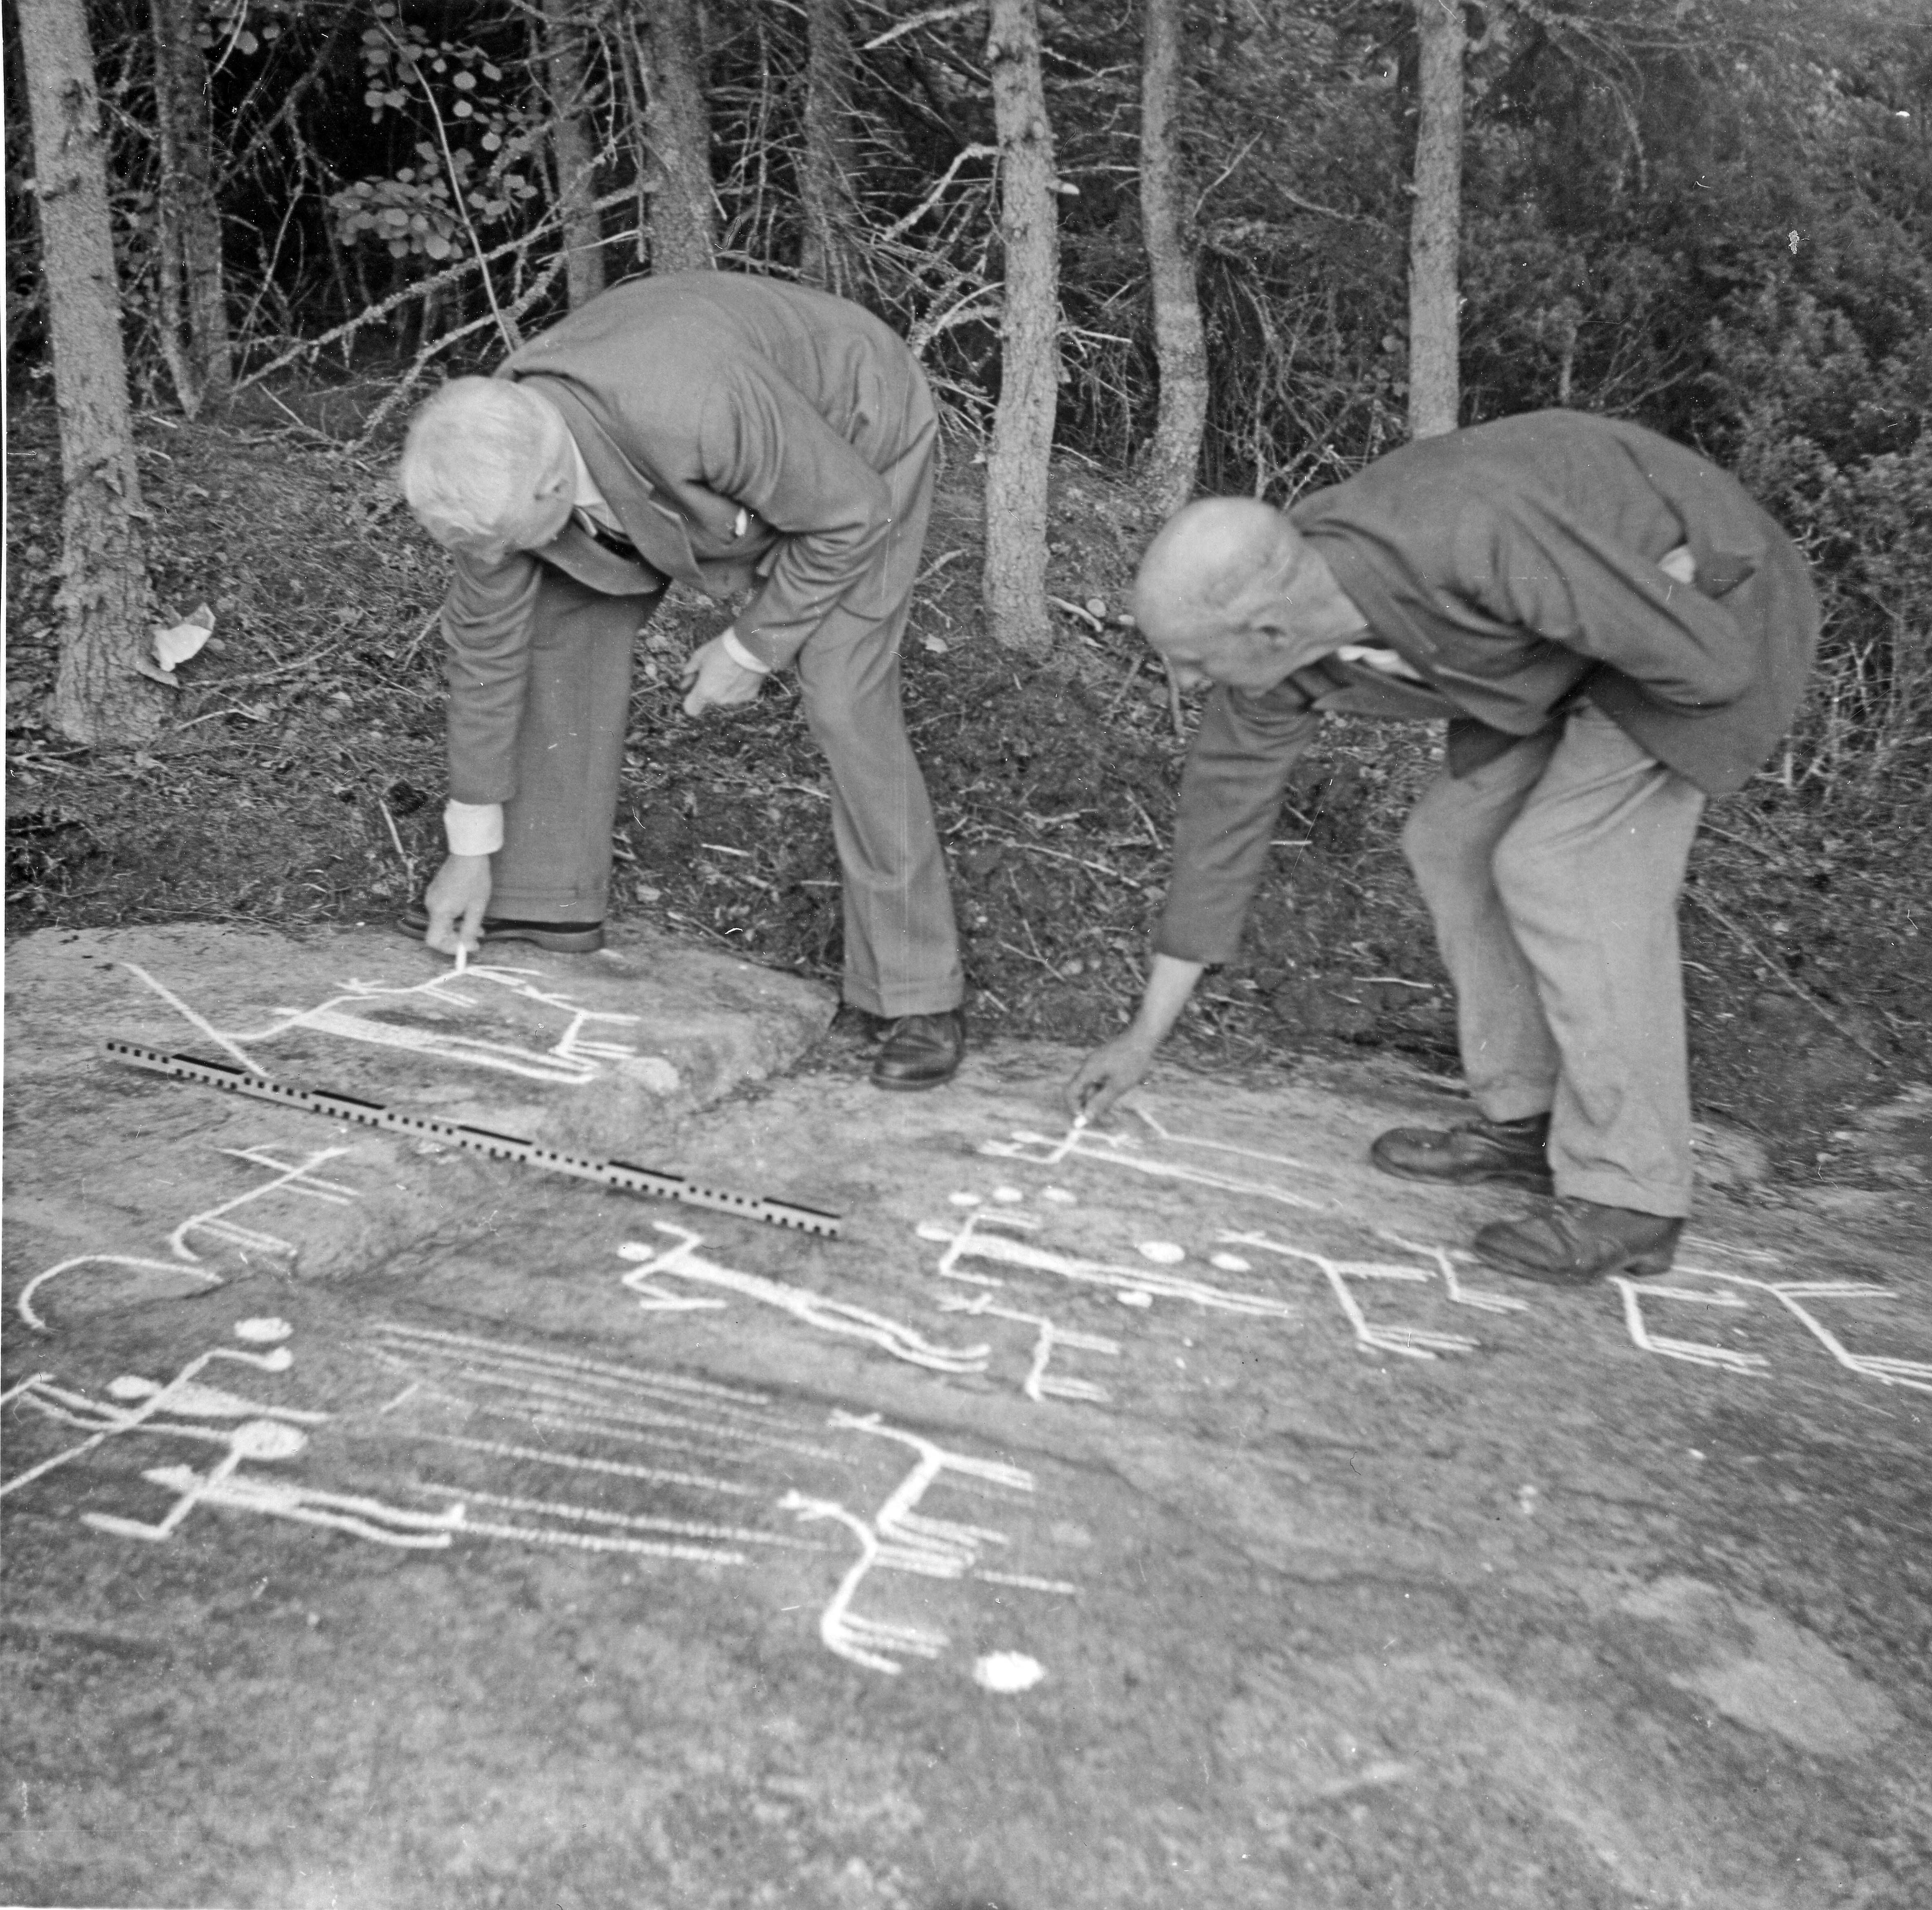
{"x":1642,"y":1265}
{"x":892,"y":1087}
{"x":1525,"y":1177}
{"x":580,"y":941}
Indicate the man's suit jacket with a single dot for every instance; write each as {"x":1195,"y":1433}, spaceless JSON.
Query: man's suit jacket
{"x":748,"y":434}
{"x":1514,"y":567}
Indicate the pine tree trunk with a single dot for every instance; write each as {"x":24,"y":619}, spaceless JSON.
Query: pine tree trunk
{"x":573,"y":151}
{"x":827,"y":254}
{"x":1435,"y":224}
{"x":1015,"y":586}
{"x":194,"y":306}
{"x":1180,"y":345}
{"x":98,"y":696}
{"x":678,"y":129}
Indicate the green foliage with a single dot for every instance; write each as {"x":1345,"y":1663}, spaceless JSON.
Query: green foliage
{"x":464,"y":97}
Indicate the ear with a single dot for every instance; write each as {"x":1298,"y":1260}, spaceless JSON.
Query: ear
{"x":1271,"y":626}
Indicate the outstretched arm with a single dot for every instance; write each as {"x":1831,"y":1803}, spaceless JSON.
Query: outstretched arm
{"x":1111,"y":1069}
{"x":1231,"y":792}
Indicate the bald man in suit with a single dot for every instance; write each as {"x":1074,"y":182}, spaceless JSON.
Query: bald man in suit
{"x":736,"y":434}
{"x":1614,"y":631}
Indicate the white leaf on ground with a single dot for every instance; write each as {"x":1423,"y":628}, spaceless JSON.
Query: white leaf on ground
{"x":176,"y":643}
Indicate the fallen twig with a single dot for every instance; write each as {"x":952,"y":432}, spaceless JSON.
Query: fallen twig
{"x":396,"y":837}
{"x":1126,"y":684}
{"x":1060,"y":855}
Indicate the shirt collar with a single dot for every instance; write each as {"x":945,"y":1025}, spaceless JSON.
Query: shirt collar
{"x":586,"y":497}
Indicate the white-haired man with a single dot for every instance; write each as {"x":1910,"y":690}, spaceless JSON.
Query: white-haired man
{"x":734,"y":434}
{"x":1614,"y":630}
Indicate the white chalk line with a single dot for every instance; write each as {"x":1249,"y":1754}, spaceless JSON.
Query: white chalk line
{"x":566,"y":1392}
{"x":363,"y":1518}
{"x":1020,"y":1581}
{"x":650,"y":1376}
{"x":1407,"y":1342}
{"x":1038,"y":1386}
{"x":576,"y":1462}
{"x":598,"y":1542}
{"x":1147,"y":1115}
{"x":899,"y":1537}
{"x":1122,"y":1151}
{"x":817,"y":1310}
{"x":24,"y":1304}
{"x":554,"y":1421}
{"x":207,"y":1027}
{"x":289,"y":1176}
{"x":1914,"y":1375}
{"x":571,"y":1061}
{"x":115,"y":1422}
{"x":969,"y":1240}
{"x":740,"y":1534}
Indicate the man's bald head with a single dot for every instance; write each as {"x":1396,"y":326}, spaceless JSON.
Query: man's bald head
{"x":1213,"y":563}
{"x":1231,"y":592}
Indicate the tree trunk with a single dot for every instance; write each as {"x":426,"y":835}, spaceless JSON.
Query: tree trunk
{"x":574,"y":152}
{"x":677,"y":127}
{"x":98,"y":696}
{"x":1435,"y":222}
{"x":193,"y":303}
{"x":1181,"y":346}
{"x":1015,"y":584}
{"x":827,"y":255}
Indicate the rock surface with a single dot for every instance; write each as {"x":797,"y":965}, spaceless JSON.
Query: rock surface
{"x":1163,"y":1515}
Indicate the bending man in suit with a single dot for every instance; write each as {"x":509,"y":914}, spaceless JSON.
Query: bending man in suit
{"x":1614,"y":631}
{"x":732,"y":433}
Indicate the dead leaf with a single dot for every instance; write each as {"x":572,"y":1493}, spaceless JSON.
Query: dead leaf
{"x":175,"y":644}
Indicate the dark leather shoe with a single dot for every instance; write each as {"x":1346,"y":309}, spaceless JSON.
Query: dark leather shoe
{"x":566,"y":938}
{"x":920,"y":1051}
{"x":1514,"y":1151}
{"x":1578,"y":1241}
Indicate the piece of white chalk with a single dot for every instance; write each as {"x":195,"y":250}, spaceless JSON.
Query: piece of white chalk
{"x":462,"y":958}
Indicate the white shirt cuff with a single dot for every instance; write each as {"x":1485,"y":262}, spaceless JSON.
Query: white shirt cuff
{"x":473,"y":828}
{"x":743,"y":657}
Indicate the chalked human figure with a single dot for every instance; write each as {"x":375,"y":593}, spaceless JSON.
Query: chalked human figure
{"x":1615,"y":631}
{"x":736,"y":434}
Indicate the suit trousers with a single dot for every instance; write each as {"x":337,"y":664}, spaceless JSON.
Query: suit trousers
{"x":1552,"y":873}
{"x":901,"y":948}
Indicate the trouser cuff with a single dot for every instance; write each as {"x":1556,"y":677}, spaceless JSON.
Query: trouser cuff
{"x":889,"y":1007}
{"x":1614,"y":1189}
{"x":523,"y":906}
{"x":1515,"y":1103}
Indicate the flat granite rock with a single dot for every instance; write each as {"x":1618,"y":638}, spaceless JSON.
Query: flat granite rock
{"x":590,"y":1051}
{"x":1167,"y":1513}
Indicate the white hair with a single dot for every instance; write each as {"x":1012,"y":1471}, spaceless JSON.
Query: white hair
{"x":476,"y":454}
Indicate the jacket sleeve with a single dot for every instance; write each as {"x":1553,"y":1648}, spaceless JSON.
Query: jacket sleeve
{"x":762,"y":443}
{"x":1529,"y":563}
{"x":486,"y":614}
{"x":1231,"y":792}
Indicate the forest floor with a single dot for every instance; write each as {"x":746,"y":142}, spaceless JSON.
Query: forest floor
{"x":299,"y":781}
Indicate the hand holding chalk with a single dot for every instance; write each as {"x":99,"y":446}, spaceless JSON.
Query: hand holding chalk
{"x":1105,"y":1075}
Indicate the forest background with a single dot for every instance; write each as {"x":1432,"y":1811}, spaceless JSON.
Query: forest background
{"x":1712,"y":216}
